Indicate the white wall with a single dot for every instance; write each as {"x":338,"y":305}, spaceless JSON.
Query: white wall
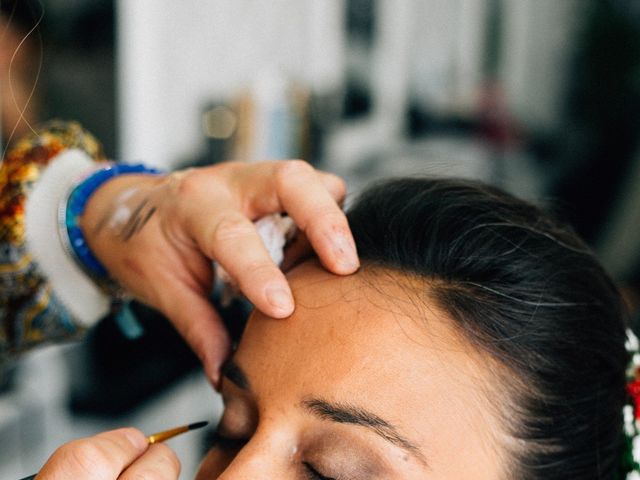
{"x":447,"y":54}
{"x":536,"y":53}
{"x":173,"y":57}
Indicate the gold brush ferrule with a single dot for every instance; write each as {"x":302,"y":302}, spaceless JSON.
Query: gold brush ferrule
{"x":167,"y":434}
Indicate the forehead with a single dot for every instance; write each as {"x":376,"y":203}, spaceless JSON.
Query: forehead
{"x":370,"y":339}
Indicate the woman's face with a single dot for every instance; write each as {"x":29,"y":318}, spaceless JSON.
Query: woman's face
{"x":364,"y":381}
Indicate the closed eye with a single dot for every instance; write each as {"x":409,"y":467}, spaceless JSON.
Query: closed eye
{"x":313,"y":474}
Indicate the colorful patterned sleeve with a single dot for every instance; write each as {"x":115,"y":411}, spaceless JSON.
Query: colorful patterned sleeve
{"x":30,"y":313}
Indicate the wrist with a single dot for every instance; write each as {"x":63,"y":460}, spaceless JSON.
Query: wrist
{"x":74,"y":209}
{"x":101,"y":203}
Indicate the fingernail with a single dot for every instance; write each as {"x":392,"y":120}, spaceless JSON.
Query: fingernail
{"x":280,"y":299}
{"x":137,"y":439}
{"x":215,"y":382}
{"x":212,"y":368}
{"x":345,"y":253}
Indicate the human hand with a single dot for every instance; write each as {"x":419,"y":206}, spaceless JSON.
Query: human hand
{"x":158,"y":235}
{"x":122,"y":454}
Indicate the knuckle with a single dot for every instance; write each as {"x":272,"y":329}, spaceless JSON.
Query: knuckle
{"x":257,"y":273}
{"x":229,"y":167}
{"x":338,"y":186}
{"x":230,"y":228}
{"x":188,"y":182}
{"x":223,"y":173}
{"x":291,"y":169}
{"x":261,"y":268}
{"x":205,"y":182}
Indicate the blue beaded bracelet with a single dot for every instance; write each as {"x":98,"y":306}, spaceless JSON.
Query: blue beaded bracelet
{"x":75,"y":207}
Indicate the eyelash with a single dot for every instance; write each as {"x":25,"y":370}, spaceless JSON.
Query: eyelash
{"x":226,"y":443}
{"x":313,"y":474}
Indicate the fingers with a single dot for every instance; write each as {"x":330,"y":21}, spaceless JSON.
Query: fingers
{"x":309,"y":198}
{"x":158,"y":463}
{"x":103,"y":456}
{"x":200,"y":326}
{"x":236,"y":245}
{"x":334,"y":184}
{"x":220,"y":223}
{"x":118,"y":454}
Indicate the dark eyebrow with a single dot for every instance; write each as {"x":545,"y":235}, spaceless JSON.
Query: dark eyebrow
{"x":234,"y":373}
{"x":341,"y":413}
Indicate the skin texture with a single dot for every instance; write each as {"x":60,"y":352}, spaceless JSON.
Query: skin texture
{"x":178,"y":224}
{"x":366,"y":380}
{"x":365,"y":342}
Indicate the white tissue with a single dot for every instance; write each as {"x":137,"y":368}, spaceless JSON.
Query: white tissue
{"x":274,"y":230}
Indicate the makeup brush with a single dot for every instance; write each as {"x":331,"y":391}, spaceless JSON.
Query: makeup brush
{"x":157,"y":437}
{"x":167,"y":434}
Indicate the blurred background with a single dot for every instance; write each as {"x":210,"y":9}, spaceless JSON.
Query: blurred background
{"x":540,"y":97}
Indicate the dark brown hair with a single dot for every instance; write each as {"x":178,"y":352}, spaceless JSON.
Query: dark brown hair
{"x":527,"y":291}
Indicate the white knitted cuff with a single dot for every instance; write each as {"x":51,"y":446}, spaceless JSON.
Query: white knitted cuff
{"x":78,"y":293}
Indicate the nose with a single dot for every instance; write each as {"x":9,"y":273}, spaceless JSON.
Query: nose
{"x":262,"y":459}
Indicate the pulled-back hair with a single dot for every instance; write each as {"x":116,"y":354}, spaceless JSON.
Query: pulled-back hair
{"x":527,"y":291}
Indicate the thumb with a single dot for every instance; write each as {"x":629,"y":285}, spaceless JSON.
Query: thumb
{"x":200,"y":325}
{"x":102,"y":456}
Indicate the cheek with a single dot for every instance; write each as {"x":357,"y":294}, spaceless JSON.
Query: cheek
{"x":214,"y":464}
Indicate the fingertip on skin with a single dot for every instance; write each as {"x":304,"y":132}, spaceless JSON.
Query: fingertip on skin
{"x":340,"y":269}
{"x":212,"y":360}
{"x":280,"y":301}
{"x":212,"y":372}
{"x":201,"y":327}
{"x":347,"y":268}
{"x":345,"y":257}
{"x":216,"y":382}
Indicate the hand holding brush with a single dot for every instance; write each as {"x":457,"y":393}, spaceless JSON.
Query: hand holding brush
{"x":117,"y":454}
